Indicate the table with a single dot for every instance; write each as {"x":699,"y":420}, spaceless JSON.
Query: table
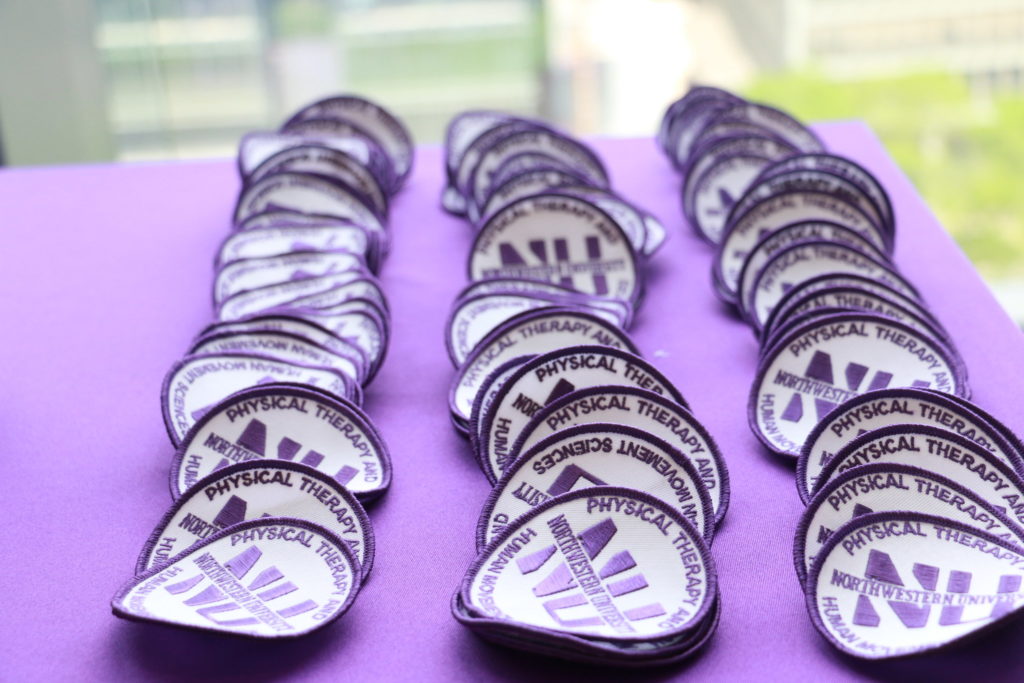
{"x":105,"y":280}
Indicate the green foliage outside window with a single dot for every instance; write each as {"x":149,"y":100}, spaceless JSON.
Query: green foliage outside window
{"x":964,"y":151}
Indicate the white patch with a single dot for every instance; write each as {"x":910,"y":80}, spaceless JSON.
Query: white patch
{"x":247,"y":274}
{"x":255,"y":489}
{"x":606,"y":563}
{"x":774,"y":213}
{"x":595,"y":455}
{"x":550,"y":376}
{"x":277,"y":240}
{"x":382,"y":126}
{"x":895,"y":584}
{"x":821,"y":365}
{"x":266,"y":578}
{"x":662,"y":418}
{"x":801,"y":262}
{"x":286,"y":423}
{"x":306,"y":194}
{"x":560,"y":239}
{"x":529,"y":333}
{"x":938,"y":451}
{"x":902,"y":406}
{"x":885,"y":487}
{"x":310,"y":331}
{"x":255,"y":301}
{"x":740,"y":281}
{"x":723,"y":178}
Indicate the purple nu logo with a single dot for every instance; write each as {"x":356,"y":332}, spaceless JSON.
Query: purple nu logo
{"x":572,"y":573}
{"x":819,"y":382}
{"x":254,"y":438}
{"x":565,"y":482}
{"x":726,"y":201}
{"x":552,"y":261}
{"x":217,"y":591}
{"x":926,"y":577}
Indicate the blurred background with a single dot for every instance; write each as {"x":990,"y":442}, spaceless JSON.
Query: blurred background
{"x":940,"y":81}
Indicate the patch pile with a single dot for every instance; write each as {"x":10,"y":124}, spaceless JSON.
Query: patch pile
{"x":913,"y":536}
{"x":267,"y":536}
{"x":593,"y":545}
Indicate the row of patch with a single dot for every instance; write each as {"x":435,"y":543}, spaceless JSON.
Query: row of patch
{"x":804,"y":242}
{"x":267,"y":536}
{"x":295,"y":291}
{"x":589,"y":448}
{"x":913,"y":536}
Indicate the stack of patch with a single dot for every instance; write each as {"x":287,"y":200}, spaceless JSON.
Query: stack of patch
{"x":267,"y":536}
{"x":593,"y":545}
{"x":913,"y":537}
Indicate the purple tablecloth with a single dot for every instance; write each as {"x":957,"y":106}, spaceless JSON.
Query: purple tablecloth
{"x":105,"y":279}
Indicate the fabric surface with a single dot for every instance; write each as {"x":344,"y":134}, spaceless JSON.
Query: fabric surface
{"x":106,"y":278}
